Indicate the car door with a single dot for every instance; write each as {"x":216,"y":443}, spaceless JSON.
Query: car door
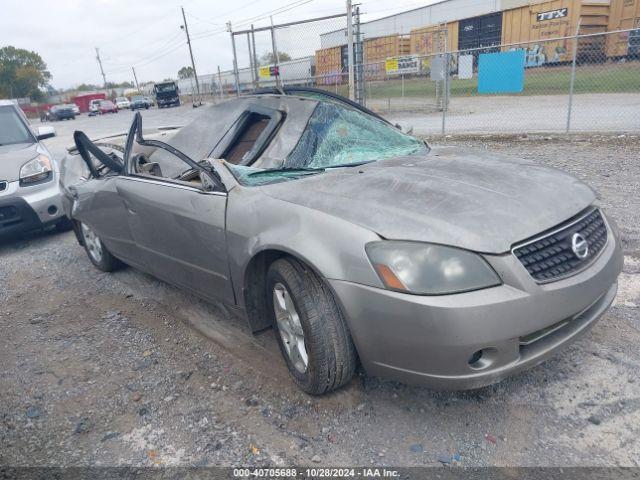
{"x":180,"y":233}
{"x":94,"y":198}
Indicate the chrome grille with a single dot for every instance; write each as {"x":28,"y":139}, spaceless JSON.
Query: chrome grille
{"x":551,"y":256}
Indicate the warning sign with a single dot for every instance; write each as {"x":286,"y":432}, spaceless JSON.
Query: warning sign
{"x":268,"y":71}
{"x":402,"y":65}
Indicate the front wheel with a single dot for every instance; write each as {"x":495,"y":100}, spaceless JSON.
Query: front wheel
{"x":97,"y":251}
{"x":312,"y":334}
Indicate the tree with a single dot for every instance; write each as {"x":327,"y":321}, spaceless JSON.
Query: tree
{"x":185,"y":72}
{"x":22,"y":73}
{"x":267,"y":58}
{"x":87,"y":87}
{"x":119,"y":85}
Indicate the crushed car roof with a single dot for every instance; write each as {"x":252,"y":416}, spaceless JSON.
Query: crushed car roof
{"x":203,"y":137}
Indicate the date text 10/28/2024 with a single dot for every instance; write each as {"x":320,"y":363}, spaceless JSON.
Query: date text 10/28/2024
{"x":318,"y":472}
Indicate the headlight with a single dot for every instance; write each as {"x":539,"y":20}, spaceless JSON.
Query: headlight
{"x":428,"y":269}
{"x":35,"y":171}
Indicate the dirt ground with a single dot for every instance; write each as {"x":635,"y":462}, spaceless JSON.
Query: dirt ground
{"x":121,"y":369}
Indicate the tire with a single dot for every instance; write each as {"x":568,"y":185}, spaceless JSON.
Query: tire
{"x":64,"y":225}
{"x":315,"y":321}
{"x":97,"y":251}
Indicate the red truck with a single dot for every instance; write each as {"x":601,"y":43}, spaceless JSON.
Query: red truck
{"x":83,"y":100}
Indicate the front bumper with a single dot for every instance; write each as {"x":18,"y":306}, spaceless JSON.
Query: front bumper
{"x":429,"y":340}
{"x":168,"y":101}
{"x":29,"y":208}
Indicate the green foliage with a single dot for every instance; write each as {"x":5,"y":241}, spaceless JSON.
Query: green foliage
{"x":87,"y":87}
{"x":120,"y":85}
{"x":23,"y":73}
{"x":185,"y":72}
{"x":590,"y":78}
{"x":267,"y":58}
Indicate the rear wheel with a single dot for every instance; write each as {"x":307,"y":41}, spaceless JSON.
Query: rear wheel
{"x":310,"y":330}
{"x":97,"y":252}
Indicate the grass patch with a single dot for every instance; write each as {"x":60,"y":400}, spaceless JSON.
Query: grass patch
{"x":598,"y":78}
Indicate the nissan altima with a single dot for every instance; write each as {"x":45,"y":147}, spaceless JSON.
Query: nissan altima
{"x":355,"y":242}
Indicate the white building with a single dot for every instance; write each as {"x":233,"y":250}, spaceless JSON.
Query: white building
{"x":402,"y":23}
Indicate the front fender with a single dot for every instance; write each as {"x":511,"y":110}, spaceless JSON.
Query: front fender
{"x":333,"y":247}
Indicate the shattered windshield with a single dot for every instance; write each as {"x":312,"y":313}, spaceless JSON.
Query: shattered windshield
{"x":336,"y":137}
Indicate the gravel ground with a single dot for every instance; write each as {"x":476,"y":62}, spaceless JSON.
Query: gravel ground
{"x":121,"y":369}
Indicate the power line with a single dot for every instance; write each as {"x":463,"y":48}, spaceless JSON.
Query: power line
{"x":202,"y":20}
{"x":161,"y":49}
{"x":247,"y":21}
{"x":170,"y":47}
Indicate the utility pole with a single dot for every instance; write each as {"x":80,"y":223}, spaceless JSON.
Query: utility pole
{"x":104,"y":78}
{"x":193,"y":63}
{"x":235,"y":59}
{"x":276,"y":55}
{"x":255,"y":57}
{"x":359,"y":58}
{"x":251,"y":57}
{"x":573,"y":75}
{"x":135,"y":78}
{"x":352,"y":90}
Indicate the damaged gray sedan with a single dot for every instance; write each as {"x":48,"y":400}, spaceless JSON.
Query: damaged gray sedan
{"x":354,"y":241}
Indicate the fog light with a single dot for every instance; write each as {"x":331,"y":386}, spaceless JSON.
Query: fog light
{"x":475,"y":357}
{"x":481,"y":359}
{"x":52,"y":210}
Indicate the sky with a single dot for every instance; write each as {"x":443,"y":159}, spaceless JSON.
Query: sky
{"x":146,"y":34}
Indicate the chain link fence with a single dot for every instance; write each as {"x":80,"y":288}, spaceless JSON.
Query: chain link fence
{"x":421,"y":79}
{"x":289,"y":54}
{"x":562,"y":84}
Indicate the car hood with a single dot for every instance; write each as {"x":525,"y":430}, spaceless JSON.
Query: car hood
{"x":12,"y":157}
{"x":473,"y":200}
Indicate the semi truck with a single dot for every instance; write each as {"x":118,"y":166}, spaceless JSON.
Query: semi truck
{"x":167,"y":94}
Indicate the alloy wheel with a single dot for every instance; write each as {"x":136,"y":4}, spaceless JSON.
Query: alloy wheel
{"x":93,"y":243}
{"x":290,"y":328}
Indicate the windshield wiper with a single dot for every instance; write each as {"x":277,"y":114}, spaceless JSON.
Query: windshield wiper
{"x":356,"y":164}
{"x":300,"y":170}
{"x":306,"y":170}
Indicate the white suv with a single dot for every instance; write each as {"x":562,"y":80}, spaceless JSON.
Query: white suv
{"x":29,"y":175}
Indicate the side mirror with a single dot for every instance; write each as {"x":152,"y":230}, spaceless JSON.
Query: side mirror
{"x":46,"y":131}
